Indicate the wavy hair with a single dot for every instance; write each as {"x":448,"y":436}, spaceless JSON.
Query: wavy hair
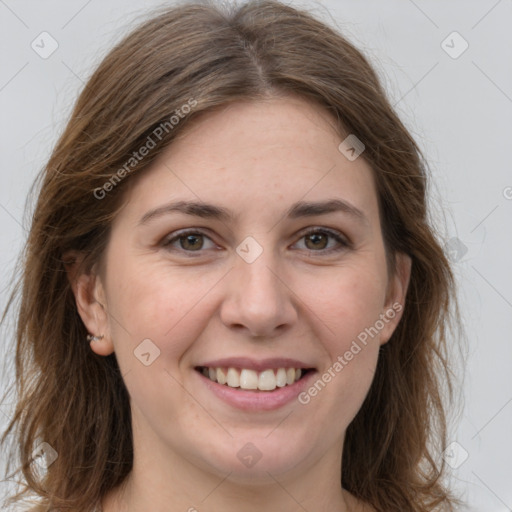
{"x":214,"y":55}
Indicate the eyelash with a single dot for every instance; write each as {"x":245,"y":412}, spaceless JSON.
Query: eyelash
{"x":343,"y":243}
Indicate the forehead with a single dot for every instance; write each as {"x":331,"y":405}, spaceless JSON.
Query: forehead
{"x":255,"y":154}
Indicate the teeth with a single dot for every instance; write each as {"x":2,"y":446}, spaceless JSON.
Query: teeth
{"x":248,"y":379}
{"x":266,"y":380}
{"x":221,"y":376}
{"x":281,"y":378}
{"x":233,"y":379}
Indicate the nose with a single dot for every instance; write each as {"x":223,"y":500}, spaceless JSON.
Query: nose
{"x":258,"y":300}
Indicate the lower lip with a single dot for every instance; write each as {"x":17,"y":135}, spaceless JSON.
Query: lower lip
{"x":257,"y":400}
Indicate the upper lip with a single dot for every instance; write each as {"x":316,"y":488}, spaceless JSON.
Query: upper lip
{"x":256,"y":364}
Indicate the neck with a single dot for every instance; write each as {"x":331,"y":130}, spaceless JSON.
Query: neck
{"x":183,"y":486}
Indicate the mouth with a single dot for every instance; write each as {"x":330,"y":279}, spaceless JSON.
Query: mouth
{"x":246,"y":379}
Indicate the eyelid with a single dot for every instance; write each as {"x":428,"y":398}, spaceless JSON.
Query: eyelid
{"x":176,"y":235}
{"x":343,"y":242}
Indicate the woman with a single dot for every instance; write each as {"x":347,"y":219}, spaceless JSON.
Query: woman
{"x":232,"y":298}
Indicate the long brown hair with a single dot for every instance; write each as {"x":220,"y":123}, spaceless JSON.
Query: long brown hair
{"x":206,"y":56}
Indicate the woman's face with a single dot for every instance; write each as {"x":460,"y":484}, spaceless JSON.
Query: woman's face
{"x":253,"y":243}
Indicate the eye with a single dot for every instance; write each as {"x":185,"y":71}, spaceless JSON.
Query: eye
{"x":318,"y":240}
{"x":189,"y":241}
{"x":321,"y":240}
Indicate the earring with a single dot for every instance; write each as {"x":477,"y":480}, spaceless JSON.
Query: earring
{"x":91,"y":337}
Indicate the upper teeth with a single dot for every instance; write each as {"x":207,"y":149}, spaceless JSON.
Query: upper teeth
{"x":267,"y":380}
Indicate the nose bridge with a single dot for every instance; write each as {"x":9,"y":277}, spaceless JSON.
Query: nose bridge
{"x":258,"y":299}
{"x":260,"y":278}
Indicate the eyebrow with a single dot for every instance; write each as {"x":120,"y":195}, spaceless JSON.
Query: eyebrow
{"x":297,"y":210}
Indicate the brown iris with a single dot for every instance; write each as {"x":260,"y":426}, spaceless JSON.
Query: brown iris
{"x":319,"y":240}
{"x":191,"y":242}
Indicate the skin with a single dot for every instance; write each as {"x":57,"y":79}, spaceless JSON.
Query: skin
{"x":296,"y":299}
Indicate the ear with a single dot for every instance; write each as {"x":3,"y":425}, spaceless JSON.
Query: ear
{"x":395,"y":297}
{"x":91,"y":303}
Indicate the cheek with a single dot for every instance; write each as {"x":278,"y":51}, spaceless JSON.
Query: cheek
{"x":346,"y":302}
{"x":170,"y":309}
{"x":167,"y":306}
{"x":347,"y":308}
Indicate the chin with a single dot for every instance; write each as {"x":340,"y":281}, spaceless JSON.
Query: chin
{"x":255,"y":459}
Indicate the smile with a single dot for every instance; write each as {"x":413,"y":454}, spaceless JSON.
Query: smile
{"x":248,"y":379}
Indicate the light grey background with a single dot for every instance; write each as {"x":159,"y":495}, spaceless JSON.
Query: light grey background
{"x":458,"y":109}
